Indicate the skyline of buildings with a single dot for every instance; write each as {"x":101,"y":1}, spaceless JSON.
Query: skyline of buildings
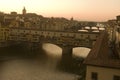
{"x":27,"y":12}
{"x":85,"y":10}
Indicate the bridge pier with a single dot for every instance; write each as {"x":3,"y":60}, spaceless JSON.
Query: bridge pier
{"x":67,"y":53}
{"x":66,"y":60}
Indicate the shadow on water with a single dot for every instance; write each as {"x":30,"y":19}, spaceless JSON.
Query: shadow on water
{"x":18,"y":51}
{"x":71,"y":66}
{"x":74,"y":66}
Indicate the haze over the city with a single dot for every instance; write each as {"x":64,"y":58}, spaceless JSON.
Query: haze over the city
{"x":85,"y":10}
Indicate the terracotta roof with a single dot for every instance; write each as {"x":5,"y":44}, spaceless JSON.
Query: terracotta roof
{"x":101,"y":54}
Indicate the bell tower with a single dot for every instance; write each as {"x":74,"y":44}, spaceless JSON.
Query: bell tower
{"x":24,"y":11}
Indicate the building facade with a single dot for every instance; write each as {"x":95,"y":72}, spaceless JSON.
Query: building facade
{"x":102,"y":73}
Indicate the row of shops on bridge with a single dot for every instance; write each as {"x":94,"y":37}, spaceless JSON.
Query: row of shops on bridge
{"x":31,"y":35}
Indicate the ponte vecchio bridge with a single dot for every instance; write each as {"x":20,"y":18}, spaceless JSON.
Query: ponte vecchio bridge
{"x":33,"y":37}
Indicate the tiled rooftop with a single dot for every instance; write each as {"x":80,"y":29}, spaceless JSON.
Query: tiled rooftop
{"x":102,"y":55}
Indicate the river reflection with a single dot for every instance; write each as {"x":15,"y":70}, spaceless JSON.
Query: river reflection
{"x":19,"y":64}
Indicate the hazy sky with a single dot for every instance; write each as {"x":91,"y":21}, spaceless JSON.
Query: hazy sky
{"x":94,"y":10}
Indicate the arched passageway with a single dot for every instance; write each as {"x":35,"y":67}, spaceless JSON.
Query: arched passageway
{"x":56,"y":51}
{"x":81,"y":51}
{"x":52,"y":49}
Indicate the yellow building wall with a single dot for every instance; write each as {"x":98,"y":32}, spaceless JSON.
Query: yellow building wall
{"x":4,"y":33}
{"x":103,"y":73}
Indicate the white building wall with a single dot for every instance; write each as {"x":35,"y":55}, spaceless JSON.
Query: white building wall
{"x":103,"y":73}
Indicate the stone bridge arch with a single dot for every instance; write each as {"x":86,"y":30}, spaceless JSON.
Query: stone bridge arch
{"x":81,"y":51}
{"x":67,"y":50}
{"x":53,"y":49}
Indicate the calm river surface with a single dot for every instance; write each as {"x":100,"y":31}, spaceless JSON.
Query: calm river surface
{"x":19,"y":64}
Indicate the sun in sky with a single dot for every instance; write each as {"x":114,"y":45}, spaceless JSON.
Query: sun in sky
{"x":90,"y":10}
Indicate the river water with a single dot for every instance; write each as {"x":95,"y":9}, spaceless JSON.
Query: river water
{"x":16,"y":63}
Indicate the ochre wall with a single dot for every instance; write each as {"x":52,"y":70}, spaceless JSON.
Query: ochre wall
{"x":103,"y":73}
